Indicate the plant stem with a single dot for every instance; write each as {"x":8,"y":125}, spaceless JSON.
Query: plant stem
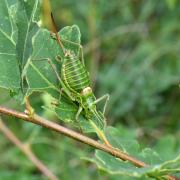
{"x":26,"y":149}
{"x":77,"y":136}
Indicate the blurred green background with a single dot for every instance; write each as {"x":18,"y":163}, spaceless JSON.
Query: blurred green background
{"x":132,"y":51}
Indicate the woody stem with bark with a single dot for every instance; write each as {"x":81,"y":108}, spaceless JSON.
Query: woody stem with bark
{"x":77,"y":136}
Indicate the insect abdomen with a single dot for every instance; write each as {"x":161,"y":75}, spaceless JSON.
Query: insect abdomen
{"x":74,"y":74}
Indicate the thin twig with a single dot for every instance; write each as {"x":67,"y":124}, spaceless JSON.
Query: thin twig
{"x":25,"y":148}
{"x":77,"y":136}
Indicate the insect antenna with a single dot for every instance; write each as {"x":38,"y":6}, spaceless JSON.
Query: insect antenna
{"x":56,"y":34}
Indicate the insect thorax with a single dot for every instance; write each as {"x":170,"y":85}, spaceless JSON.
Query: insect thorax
{"x":88,"y":98}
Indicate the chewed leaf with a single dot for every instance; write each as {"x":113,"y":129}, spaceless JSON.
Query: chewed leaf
{"x":39,"y":74}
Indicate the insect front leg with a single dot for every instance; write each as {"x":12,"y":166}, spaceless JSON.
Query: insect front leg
{"x":78,"y":113}
{"x":106,"y":97}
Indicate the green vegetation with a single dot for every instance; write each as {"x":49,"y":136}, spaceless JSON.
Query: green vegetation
{"x":131,"y":50}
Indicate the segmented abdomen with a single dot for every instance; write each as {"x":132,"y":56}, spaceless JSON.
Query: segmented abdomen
{"x":74,"y":74}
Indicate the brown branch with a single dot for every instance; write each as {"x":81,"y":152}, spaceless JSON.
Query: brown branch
{"x":25,"y":148}
{"x":77,"y":136}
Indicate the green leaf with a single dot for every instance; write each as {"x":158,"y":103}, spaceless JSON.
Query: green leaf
{"x":40,"y":75}
{"x":115,"y":166}
{"x":26,"y":20}
{"x":9,"y":68}
{"x":167,"y":146}
{"x":66,"y":111}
